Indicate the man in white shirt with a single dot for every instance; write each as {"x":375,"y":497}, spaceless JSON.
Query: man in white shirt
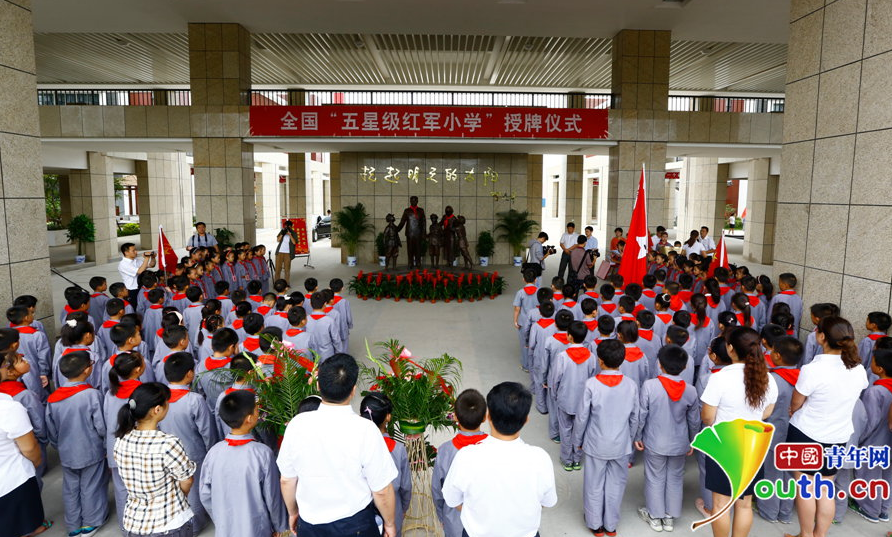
{"x":655,"y":238}
{"x":568,"y":243}
{"x":131,"y":266}
{"x":501,"y":484}
{"x":201,"y":238}
{"x":706,"y":241}
{"x":335,"y":464}
{"x":287,"y":240}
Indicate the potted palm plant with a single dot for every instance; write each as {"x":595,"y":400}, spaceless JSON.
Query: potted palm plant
{"x":486,"y":246}
{"x":381,"y":248}
{"x":351,"y":223}
{"x":515,"y":227}
{"x":81,"y":230}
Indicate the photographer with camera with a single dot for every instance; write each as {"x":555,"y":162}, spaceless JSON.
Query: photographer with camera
{"x":582,"y":260}
{"x":287,"y":240}
{"x":131,"y":266}
{"x":537,"y":255}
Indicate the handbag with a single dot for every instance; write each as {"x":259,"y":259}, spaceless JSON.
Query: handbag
{"x":603,"y":270}
{"x":525,"y":266}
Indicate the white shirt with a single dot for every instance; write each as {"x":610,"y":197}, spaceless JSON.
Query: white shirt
{"x":338,"y":458}
{"x":831,"y":391}
{"x":654,"y":240}
{"x":707,"y":243}
{"x":568,"y":240}
{"x":726,"y":392}
{"x":695,"y":248}
{"x":15,"y":468}
{"x":501,"y":486}
{"x":591,"y":243}
{"x":129,"y":269}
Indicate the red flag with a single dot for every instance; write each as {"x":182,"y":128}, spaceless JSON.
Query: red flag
{"x":720,"y":258}
{"x":633,"y":266}
{"x":167,"y":258}
{"x":743,"y":214}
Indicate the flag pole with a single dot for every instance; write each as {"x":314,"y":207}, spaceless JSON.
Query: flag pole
{"x":161,"y":247}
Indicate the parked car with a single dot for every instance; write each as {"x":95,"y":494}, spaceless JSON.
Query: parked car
{"x":322,"y":229}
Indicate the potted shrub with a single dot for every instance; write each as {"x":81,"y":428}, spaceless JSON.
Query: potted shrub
{"x":381,"y":248}
{"x":351,"y":223}
{"x":486,"y":246}
{"x":224,"y":236}
{"x":515,"y":227}
{"x":81,"y":230}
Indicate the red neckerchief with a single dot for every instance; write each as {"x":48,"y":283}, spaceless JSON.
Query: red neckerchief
{"x":25,"y":329}
{"x":65,"y":392}
{"x":317,"y":316}
{"x":592,"y":294}
{"x":545,"y":323}
{"x":464,"y":440}
{"x":126,"y":388}
{"x":255,"y":298}
{"x":885,"y":383}
{"x":609,"y":307}
{"x":558,"y":296}
{"x":109,"y":323}
{"x":179,"y":296}
{"x":94,"y":295}
{"x":12,"y":387}
{"x":695,"y":320}
{"x":291,"y":332}
{"x":199,"y":305}
{"x":230,"y":390}
{"x":415,"y":212}
{"x":336,"y":299}
{"x":446,"y":219}
{"x":211,"y":363}
{"x":328,"y":309}
{"x":570,"y":304}
{"x":238,"y":323}
{"x":391,"y":443}
{"x":282,"y":314}
{"x":234,"y":442}
{"x":754,"y":300}
{"x":592,"y":325}
{"x":69,"y":310}
{"x":638,"y":307}
{"x":674,"y":388}
{"x":716,"y":369}
{"x":724,"y":289}
{"x":633,"y":354}
{"x":676,"y":303}
{"x":685,"y":295}
{"x":177,"y":393}
{"x":788,"y":292}
{"x":740,"y":319}
{"x":874,"y":337}
{"x":156,"y":306}
{"x":562,"y":337}
{"x":609,"y":380}
{"x":649,"y":293}
{"x":74,"y":349}
{"x":769,"y":361}
{"x":251,"y":343}
{"x":578,"y":354}
{"x":646,"y":334}
{"x":712,"y":303}
{"x":627,"y":317}
{"x":790,"y":375}
{"x":665,"y":317}
{"x":267,"y":359}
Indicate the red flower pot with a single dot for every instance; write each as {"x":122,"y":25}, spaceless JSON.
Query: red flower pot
{"x":409,"y":299}
{"x":378,"y":298}
{"x":459,"y":301}
{"x":421,"y":300}
{"x":433,"y":301}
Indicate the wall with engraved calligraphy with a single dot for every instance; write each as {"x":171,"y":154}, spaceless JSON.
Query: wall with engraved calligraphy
{"x":476,"y":185}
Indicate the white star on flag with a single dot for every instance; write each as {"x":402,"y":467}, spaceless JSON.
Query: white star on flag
{"x":642,"y":247}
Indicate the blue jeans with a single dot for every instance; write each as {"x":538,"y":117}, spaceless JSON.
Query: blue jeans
{"x":362,"y":524}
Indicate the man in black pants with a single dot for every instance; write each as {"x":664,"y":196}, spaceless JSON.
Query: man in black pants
{"x":568,"y":243}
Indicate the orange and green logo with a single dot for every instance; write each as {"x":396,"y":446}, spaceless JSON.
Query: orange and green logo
{"x":739,"y":447}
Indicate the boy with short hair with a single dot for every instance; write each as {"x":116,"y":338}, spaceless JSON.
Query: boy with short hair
{"x":151,"y":320}
{"x":607,"y":305}
{"x":119,"y":290}
{"x":29,"y":302}
{"x":222,"y":290}
{"x":239,"y":367}
{"x":176,"y":339}
{"x":559,"y":341}
{"x":606,"y":424}
{"x":524,"y":299}
{"x":279,"y":318}
{"x":268,"y":306}
{"x":297,"y":335}
{"x":76,"y":427}
{"x":470,"y":412}
{"x":35,"y":347}
{"x":76,"y":299}
{"x":819,"y":311}
{"x":342,"y":306}
{"x":192,"y":316}
{"x":668,"y":420}
{"x":114,"y":312}
{"x":541,"y":331}
{"x":573,"y":366}
{"x":98,"y":299}
{"x":606,"y":329}
{"x":253,"y":325}
{"x":179,"y":300}
{"x":323,"y":332}
{"x":877,"y":323}
{"x":212,"y":376}
{"x":124,"y":337}
{"x":189,"y":419}
{"x":241,"y":312}
{"x":635,"y":365}
{"x":626,"y":308}
{"x":648,"y":342}
{"x":281,"y":288}
{"x":769,"y":334}
{"x":786,"y":283}
{"x":589,"y":308}
{"x":648,"y":294}
{"x":310,"y":284}
{"x":676,"y":335}
{"x":239,"y":483}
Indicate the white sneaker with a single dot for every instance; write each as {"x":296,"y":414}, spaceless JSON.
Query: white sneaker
{"x":668,"y":523}
{"x":654,"y":523}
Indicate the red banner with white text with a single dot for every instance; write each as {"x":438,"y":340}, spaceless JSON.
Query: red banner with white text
{"x":300,"y":229}
{"x":428,"y":122}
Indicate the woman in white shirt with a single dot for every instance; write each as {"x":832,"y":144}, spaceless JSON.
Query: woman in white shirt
{"x":742,"y":390}
{"x":821,"y":409}
{"x":21,"y":509}
{"x":692,"y":245}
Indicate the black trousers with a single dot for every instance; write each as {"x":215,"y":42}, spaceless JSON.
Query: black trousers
{"x":362,"y":524}
{"x":134,"y":296}
{"x":565,"y":262}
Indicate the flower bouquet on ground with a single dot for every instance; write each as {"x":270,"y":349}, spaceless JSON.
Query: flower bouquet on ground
{"x":432,"y":285}
{"x":423,"y":395}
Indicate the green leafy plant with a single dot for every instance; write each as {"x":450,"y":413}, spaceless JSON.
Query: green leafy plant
{"x":53,"y":199}
{"x":486,"y":245}
{"x":351,"y":223}
{"x":514,"y":227}
{"x":126,"y":230}
{"x":380,"y":246}
{"x":224,"y":236}
{"x":427,"y":285}
{"x":81,"y":230}
{"x":282,"y":379}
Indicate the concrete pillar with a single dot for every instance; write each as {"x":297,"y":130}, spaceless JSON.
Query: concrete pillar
{"x":164,"y":196}
{"x":534,"y":188}
{"x":761,"y":212}
{"x":92,"y":194}
{"x":297,"y":185}
{"x":266,"y":195}
{"x":220,"y":79}
{"x":640,"y":87}
{"x":833,"y":216}
{"x":24,"y":257}
{"x":704,"y":184}
{"x":574,"y":185}
{"x":65,"y":199}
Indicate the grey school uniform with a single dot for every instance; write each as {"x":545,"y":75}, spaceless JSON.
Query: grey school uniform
{"x":775,"y":508}
{"x":94,"y":380}
{"x":323,"y":335}
{"x":297,"y":337}
{"x":865,"y":350}
{"x":759,"y":310}
{"x":792,"y":299}
{"x":812,"y":349}
{"x":533,"y":316}
{"x":279,"y":320}
{"x":151,"y":323}
{"x":568,"y":384}
{"x":189,"y":419}
{"x":450,"y":517}
{"x":31,"y":347}
{"x":606,"y":424}
{"x":553,"y":347}
{"x":162,"y":350}
{"x":222,"y":429}
{"x":662,"y":320}
{"x":239,"y":488}
{"x":202,"y":344}
{"x":103,"y":336}
{"x":877,"y":400}
{"x":524,"y":301}
{"x":97,"y":307}
{"x":335,"y":316}
{"x":845,"y":474}
{"x":539,"y":334}
{"x":402,"y":485}
{"x":342,"y":306}
{"x":213,"y":378}
{"x":192,"y":319}
{"x":651,"y":347}
{"x":147,"y":376}
{"x":635,"y":366}
{"x":701,"y":337}
{"x":76,"y":427}
{"x":666,"y":428}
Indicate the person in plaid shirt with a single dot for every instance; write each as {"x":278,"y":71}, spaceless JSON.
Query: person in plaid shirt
{"x":153,"y":466}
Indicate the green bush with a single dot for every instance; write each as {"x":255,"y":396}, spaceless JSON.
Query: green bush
{"x":128,"y":229}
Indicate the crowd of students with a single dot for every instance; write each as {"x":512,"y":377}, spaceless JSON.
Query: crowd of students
{"x":626,"y":368}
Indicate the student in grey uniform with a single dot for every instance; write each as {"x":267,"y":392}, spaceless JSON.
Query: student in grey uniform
{"x":817,"y":312}
{"x":648,"y":294}
{"x":323,"y":332}
{"x":114,"y":308}
{"x":635,"y":365}
{"x":237,"y":321}
{"x":877,"y":399}
{"x":126,"y":339}
{"x":786,"y":283}
{"x":606,"y":424}
{"x":542,"y":330}
{"x":173,"y":339}
{"x":79,"y":336}
{"x":572,"y":368}
{"x":470,"y":411}
{"x":205,"y":336}
{"x":845,"y":474}
{"x":192,"y":314}
{"x":607,"y":306}
{"x":543,"y":295}
{"x":342,"y":306}
{"x":32,"y":342}
{"x":98,"y":299}
{"x":239,"y":367}
{"x":252,"y":326}
{"x":189,"y":419}
{"x":553,"y":346}
{"x":648,"y":341}
{"x":669,"y":418}
{"x":296,"y":334}
{"x":758,"y":306}
{"x":677,"y":335}
{"x":524,"y":299}
{"x":785,"y":355}
{"x":76,"y":427}
{"x":151,"y":318}
{"x":76,"y":300}
{"x":239,"y":483}
{"x":878,"y":323}
{"x":12,"y":367}
{"x":213,"y":371}
{"x":377,"y":408}
{"x":702,"y":329}
{"x":279,"y":319}
{"x":122,"y":380}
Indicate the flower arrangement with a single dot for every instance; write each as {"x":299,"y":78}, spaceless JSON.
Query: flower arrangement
{"x":429,"y":285}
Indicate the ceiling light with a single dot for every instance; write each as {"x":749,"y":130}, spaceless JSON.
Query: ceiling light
{"x":528,"y":45}
{"x":359,"y":43}
{"x":121,"y":41}
{"x":706,"y":51}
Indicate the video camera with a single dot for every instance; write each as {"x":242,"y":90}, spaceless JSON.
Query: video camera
{"x":549,"y":249}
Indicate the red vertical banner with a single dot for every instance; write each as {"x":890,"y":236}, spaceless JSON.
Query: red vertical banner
{"x":300,"y":229}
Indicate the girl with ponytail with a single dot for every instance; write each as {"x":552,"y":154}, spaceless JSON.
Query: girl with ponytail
{"x":123,"y":379}
{"x":156,"y":471}
{"x":211,"y":324}
{"x":702,"y":328}
{"x":78,"y":335}
{"x":741,"y":390}
{"x":740,"y":304}
{"x":821,"y":408}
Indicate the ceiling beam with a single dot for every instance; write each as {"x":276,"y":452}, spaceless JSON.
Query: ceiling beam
{"x":495,"y":61}
{"x":383,"y":70}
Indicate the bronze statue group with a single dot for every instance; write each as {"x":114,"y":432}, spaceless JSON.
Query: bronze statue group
{"x":447,"y":236}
